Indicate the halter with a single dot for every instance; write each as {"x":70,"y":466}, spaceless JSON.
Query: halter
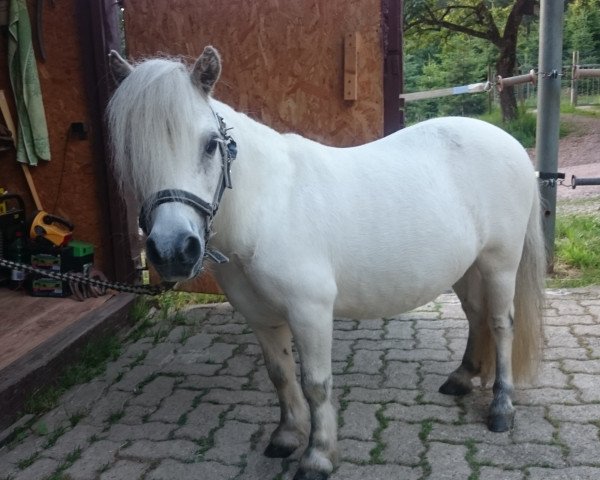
{"x":228,"y":149}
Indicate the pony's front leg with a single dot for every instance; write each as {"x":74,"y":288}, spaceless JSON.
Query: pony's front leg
{"x":313,"y":331}
{"x":276,"y":343}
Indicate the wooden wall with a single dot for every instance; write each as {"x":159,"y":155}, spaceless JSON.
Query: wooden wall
{"x":283,"y":59}
{"x":80,"y":198}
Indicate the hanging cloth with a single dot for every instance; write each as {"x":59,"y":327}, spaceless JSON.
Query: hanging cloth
{"x":32,"y":137}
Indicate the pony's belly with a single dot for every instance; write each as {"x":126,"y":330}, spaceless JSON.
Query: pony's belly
{"x":385,"y":301}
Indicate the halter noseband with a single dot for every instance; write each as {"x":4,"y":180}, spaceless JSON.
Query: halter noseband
{"x":228,"y":149}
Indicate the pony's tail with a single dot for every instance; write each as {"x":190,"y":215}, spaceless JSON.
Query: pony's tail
{"x":529,"y":299}
{"x":528,"y":304}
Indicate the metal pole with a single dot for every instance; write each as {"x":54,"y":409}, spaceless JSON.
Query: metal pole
{"x":548,"y":108}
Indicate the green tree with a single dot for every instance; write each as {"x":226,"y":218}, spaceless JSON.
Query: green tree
{"x":582,"y":30}
{"x":497,"y":22}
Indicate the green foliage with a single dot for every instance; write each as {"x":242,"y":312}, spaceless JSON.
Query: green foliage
{"x":522,"y":128}
{"x":577,"y":251}
{"x":582,"y":31}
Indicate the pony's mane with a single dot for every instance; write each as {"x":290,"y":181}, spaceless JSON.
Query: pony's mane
{"x":156,"y":93}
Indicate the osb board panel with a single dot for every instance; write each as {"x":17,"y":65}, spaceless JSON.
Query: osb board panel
{"x":283,"y":59}
{"x":68,"y":184}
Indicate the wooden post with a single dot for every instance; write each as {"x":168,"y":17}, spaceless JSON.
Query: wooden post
{"x":574,"y":78}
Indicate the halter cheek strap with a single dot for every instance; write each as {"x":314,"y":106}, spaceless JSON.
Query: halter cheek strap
{"x":228,"y":150}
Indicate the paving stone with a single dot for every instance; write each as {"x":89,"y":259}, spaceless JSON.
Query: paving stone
{"x":493,"y":473}
{"x":430,"y":338}
{"x":344,"y":324}
{"x":581,"y":366}
{"x":358,"y":380}
{"x":571,"y":473}
{"x":342,"y":349}
{"x":583,"y":443}
{"x":441,"y":368}
{"x":228,"y":328}
{"x":418,"y":413}
{"x":429,"y":387}
{"x":575,"y":413}
{"x":356,"y":451}
{"x":189,"y":366}
{"x":173,"y":470}
{"x":179,"y":402}
{"x":350,"y":471}
{"x":371,"y":324}
{"x":448,"y":461}
{"x":153,"y":392}
{"x":418,"y":354}
{"x":93,"y":459}
{"x":446,"y":323}
{"x":178,"y":449}
{"x":136,"y":414}
{"x":111,"y":403}
{"x":562,"y":320}
{"x":531,"y":425}
{"x":125,"y":469}
{"x":133,"y":378}
{"x":200,"y":382}
{"x":366,"y":361}
{"x":24,"y":450}
{"x":519,"y":455}
{"x":560,"y":337}
{"x":239,"y":366}
{"x":359,"y":421}
{"x":442,"y":432}
{"x":160,"y":354}
{"x":550,"y":375}
{"x":356,"y":334}
{"x":197,"y":343}
{"x":80,"y":398}
{"x":402,"y":443}
{"x":40,"y":469}
{"x":384,"y":395}
{"x":400,"y":329}
{"x":78,"y":437}
{"x":587,"y":386}
{"x":200,"y":421}
{"x":401,"y":374}
{"x":545,"y":396}
{"x":380,"y":345}
{"x":568,"y":307}
{"x":232,"y":442}
{"x":254,"y":414}
{"x":145,"y":431}
{"x":259,"y":380}
{"x":252,"y":397}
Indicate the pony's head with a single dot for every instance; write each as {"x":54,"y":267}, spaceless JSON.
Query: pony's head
{"x":170,"y":147}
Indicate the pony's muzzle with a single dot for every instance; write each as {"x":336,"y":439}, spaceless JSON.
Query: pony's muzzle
{"x":177,"y":259}
{"x":174,"y":246}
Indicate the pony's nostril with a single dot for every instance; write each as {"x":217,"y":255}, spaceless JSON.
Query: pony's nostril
{"x":191,"y":249}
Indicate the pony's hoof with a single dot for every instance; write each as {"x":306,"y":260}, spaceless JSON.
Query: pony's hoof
{"x":275,"y":451}
{"x":302,"y":474}
{"x":452,"y":387}
{"x":501,"y":423}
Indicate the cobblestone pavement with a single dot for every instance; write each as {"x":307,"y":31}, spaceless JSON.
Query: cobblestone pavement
{"x":191,"y":400}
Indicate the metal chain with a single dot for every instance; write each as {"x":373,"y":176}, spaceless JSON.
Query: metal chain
{"x":79,"y":278}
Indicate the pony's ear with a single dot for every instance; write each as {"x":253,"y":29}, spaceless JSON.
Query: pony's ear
{"x":207,"y":70}
{"x":119,"y":67}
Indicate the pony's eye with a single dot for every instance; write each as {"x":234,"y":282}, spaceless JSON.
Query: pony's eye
{"x":211,"y":146}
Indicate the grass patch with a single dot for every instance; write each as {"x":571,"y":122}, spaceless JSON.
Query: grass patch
{"x":175,"y":301}
{"x":577,"y":252}
{"x":92,"y":362}
{"x":522,"y":128}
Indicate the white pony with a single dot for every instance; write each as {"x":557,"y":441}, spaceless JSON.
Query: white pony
{"x":313,"y":232}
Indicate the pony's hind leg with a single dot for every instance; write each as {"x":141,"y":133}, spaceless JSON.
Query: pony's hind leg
{"x":294,"y":421}
{"x":501,"y":288}
{"x":469,"y":291}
